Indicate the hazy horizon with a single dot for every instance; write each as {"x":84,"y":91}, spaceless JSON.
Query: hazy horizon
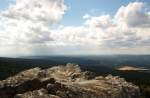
{"x":76,"y":55}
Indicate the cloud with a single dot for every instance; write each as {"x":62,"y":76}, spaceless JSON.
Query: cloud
{"x":27,"y":26}
{"x":124,"y":30}
{"x":134,"y":15}
{"x":28,"y":22}
{"x":103,"y":21}
{"x":86,"y":16}
{"x":41,"y":10}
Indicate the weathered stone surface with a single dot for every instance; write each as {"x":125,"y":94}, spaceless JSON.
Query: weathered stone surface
{"x":70,"y":73}
{"x":65,"y":82}
{"x":42,"y":93}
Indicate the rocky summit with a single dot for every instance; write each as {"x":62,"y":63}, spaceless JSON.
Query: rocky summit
{"x":65,"y":81}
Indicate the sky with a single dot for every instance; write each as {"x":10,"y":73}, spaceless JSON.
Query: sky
{"x":74,"y":27}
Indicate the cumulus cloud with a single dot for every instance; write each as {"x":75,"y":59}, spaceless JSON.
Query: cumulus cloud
{"x":134,"y":15}
{"x":103,"y":21}
{"x":128,"y":29}
{"x":41,"y":10}
{"x":28,"y":22}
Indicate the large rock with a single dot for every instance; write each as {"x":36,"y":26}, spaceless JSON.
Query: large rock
{"x":65,"y":82}
{"x":69,"y":73}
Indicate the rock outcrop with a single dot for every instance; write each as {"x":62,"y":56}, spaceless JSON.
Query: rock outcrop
{"x":65,"y":82}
